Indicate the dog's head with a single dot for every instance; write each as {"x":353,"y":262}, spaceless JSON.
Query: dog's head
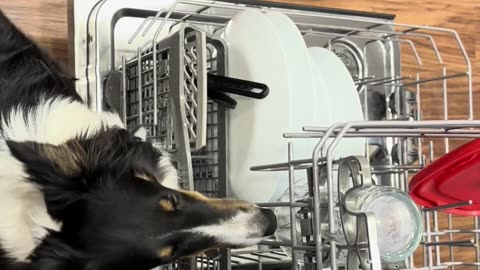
{"x":106,"y":192}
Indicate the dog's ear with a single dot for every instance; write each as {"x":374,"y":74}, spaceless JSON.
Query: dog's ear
{"x":67,"y":159}
{"x":57,"y":170}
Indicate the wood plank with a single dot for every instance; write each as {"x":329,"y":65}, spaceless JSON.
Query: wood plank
{"x":45,"y":21}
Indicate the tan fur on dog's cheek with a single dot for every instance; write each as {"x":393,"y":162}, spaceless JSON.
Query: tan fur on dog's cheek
{"x":166,"y":206}
{"x":195,"y":195}
{"x":165,"y":252}
{"x":144,"y":176}
{"x":230,"y":204}
{"x":221,"y":204}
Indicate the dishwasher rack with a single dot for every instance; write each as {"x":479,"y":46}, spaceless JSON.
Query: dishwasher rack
{"x":164,"y":74}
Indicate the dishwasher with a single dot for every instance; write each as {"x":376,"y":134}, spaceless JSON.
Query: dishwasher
{"x":152,"y":60}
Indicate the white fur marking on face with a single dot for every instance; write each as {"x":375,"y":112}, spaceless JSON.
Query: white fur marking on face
{"x":56,"y":121}
{"x":168,"y":171}
{"x":171,"y":181}
{"x":241,"y":230}
{"x":141,"y":133}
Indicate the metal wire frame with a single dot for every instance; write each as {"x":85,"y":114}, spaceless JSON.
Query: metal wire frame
{"x":357,"y":32}
{"x":409,"y":31}
{"x":323,"y":154}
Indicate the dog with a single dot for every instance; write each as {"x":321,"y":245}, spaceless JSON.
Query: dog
{"x":80,"y":192}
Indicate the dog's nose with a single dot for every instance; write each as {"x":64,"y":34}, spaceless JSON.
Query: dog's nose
{"x":270,"y":221}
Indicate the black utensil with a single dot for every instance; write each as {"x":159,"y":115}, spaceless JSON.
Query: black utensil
{"x":219,"y":85}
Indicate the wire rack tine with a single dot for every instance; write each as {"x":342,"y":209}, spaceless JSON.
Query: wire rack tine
{"x":409,"y":31}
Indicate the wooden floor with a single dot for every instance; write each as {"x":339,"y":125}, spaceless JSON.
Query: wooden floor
{"x":46,"y":21}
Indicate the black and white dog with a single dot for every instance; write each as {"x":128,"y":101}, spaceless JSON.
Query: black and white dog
{"x":78,"y":191}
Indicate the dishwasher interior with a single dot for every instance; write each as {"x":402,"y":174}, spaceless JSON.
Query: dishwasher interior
{"x":151,"y":61}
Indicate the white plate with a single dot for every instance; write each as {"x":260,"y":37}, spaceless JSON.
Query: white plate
{"x":255,"y":127}
{"x":343,"y":99}
{"x":270,"y":49}
{"x":335,"y":85}
{"x":304,"y":100}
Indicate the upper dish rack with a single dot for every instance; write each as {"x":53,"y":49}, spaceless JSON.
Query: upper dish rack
{"x":164,"y":66}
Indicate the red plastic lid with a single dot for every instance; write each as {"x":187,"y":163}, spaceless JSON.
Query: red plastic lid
{"x":453,"y":178}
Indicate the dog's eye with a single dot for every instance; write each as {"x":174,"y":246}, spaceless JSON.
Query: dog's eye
{"x":170,"y":203}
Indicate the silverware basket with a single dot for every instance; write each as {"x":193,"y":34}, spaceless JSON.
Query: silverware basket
{"x":174,"y":108}
{"x":161,"y":56}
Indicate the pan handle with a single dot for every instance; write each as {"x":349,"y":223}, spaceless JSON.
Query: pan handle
{"x":237,"y":86}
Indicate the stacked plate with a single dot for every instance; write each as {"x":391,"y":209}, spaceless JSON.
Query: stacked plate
{"x":308,"y":87}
